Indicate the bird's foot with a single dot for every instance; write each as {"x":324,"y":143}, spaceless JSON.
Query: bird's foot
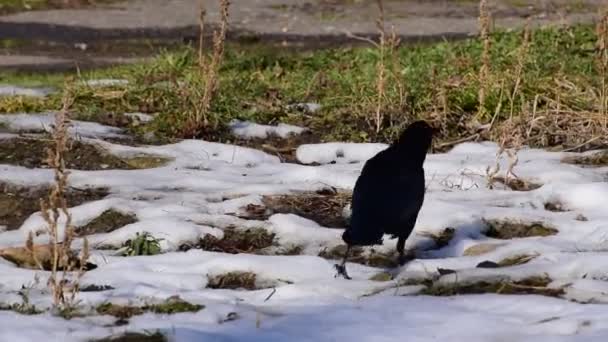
{"x":341,"y":269}
{"x":403,"y":259}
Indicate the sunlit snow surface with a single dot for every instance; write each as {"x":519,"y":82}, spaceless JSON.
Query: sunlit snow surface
{"x":207,"y":184}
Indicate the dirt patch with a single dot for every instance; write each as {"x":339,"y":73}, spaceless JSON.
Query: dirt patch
{"x":360,"y":256}
{"x":382,"y":276}
{"x":597,"y":159}
{"x":482,"y":248}
{"x":235,"y":241}
{"x":442,"y":239}
{"x":324,"y":207}
{"x":518,"y":184}
{"x":17,"y":203}
{"x":233,"y":281}
{"x":31,"y":153}
{"x":172,"y":305}
{"x":42,"y":258}
{"x":532,"y":285}
{"x":555,"y":206}
{"x":108,"y":221}
{"x":96,"y":288}
{"x":135,"y":337}
{"x":512,"y":229}
{"x":516,"y":260}
{"x":284,"y":148}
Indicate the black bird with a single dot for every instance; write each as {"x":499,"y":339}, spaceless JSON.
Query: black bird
{"x":389,"y":193}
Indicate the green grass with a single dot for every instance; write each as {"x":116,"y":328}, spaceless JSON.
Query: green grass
{"x":437,"y":82}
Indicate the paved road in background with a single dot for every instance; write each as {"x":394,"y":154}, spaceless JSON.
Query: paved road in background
{"x":78,"y":31}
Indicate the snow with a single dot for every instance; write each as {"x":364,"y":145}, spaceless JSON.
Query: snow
{"x":11,"y":90}
{"x":43,"y":123}
{"x":140,"y":117}
{"x":203,"y":190}
{"x":336,"y":152}
{"x":248,"y":129}
{"x":105,"y":82}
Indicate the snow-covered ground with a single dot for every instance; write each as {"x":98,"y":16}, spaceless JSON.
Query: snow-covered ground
{"x":206,"y":184}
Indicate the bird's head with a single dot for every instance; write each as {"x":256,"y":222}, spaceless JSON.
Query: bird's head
{"x":416,"y":140}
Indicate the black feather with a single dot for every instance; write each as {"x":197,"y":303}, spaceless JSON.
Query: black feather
{"x":390,"y":190}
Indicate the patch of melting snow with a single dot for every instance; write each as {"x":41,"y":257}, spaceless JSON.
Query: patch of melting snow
{"x":106,"y":82}
{"x":247,"y":129}
{"x":140,"y":117}
{"x":11,"y":90}
{"x":308,"y":107}
{"x":43,"y":122}
{"x":199,"y":191}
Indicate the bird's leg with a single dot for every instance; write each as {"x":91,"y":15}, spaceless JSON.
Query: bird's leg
{"x":341,"y":268}
{"x":400,"y":248}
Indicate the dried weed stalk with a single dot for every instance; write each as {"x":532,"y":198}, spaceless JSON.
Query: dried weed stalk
{"x":52,"y":208}
{"x":201,"y":40}
{"x":386,"y":45}
{"x":522,"y":56}
{"x":199,"y":119}
{"x":484,"y":70}
{"x":602,"y":60}
{"x":510,"y":143}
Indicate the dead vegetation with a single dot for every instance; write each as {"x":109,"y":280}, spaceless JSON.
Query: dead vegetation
{"x":515,"y":260}
{"x":170,"y":306}
{"x":30,"y":153}
{"x":482,"y":248}
{"x":324,"y":207}
{"x":284,"y":148}
{"x":598,"y":159}
{"x":531,"y":285}
{"x":235,"y":241}
{"x":442,"y":239}
{"x":40,"y":257}
{"x":107,"y":222}
{"x":512,"y":229}
{"x":518,"y":184}
{"x":17,"y":203}
{"x":234,"y":281}
{"x":135,"y":337}
{"x":368,"y":257}
{"x":555,"y":206}
{"x":60,"y":234}
{"x":202,"y":96}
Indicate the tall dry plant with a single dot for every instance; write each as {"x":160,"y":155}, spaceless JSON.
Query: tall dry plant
{"x":387,"y":45}
{"x":201,"y":35}
{"x":602,"y":61}
{"x":52,"y":208}
{"x":522,"y":56}
{"x":484,"y":69}
{"x":380,"y":68}
{"x":199,"y":119}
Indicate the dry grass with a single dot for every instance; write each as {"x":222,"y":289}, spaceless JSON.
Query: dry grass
{"x":484,"y":70}
{"x":52,"y":209}
{"x":602,"y":60}
{"x":108,"y":221}
{"x":236,"y":241}
{"x":532,"y":285}
{"x":325,"y":208}
{"x":511,"y":229}
{"x":362,"y":256}
{"x":198,"y":120}
{"x":516,"y":260}
{"x":233,"y":281}
{"x":598,"y":159}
